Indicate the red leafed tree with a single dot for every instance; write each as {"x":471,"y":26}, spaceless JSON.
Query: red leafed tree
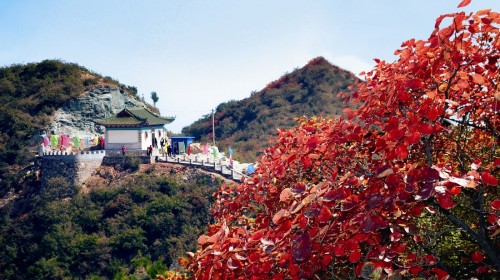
{"x":407,"y":186}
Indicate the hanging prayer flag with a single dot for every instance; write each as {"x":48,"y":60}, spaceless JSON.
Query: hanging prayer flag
{"x":76,"y":142}
{"x":65,"y":140}
{"x":214,"y":152}
{"x":46,"y":141}
{"x":230,"y":152}
{"x":53,"y":140}
{"x":251,"y":169}
{"x":205,"y":150}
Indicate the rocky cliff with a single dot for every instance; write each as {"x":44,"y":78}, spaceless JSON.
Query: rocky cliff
{"x":75,"y":116}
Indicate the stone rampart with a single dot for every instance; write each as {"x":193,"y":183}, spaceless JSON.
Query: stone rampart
{"x":76,"y":168}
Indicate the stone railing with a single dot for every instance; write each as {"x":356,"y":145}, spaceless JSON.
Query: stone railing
{"x":216,"y":166}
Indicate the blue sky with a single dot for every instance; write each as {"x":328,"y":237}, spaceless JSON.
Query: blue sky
{"x":198,"y":54}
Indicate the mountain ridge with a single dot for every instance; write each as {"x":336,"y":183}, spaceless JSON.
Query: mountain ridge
{"x":248,"y":124}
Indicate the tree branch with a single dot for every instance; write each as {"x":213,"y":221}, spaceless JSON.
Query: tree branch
{"x":488,"y":128}
{"x":482,"y":241}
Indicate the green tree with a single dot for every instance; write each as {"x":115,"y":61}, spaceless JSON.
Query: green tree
{"x":154,"y":97}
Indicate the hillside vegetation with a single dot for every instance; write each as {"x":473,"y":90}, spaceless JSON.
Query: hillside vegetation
{"x":29,"y":95}
{"x":247,"y":125}
{"x":127,"y":224}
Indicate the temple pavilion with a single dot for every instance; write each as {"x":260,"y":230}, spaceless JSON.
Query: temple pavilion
{"x":136,"y":128}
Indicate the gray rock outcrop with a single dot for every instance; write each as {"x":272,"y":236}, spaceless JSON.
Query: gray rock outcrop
{"x":103,"y":101}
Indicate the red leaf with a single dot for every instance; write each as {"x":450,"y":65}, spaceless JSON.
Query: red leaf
{"x":430,"y":259}
{"x":349,"y":113}
{"x":486,"y":20}
{"x":414,"y":84}
{"x":463,"y":84}
{"x":312,"y":142}
{"x":372,"y":223}
{"x":303,"y":222}
{"x":434,"y":40}
{"x":425,"y":191}
{"x":301,"y":246}
{"x":402,"y":151}
{"x":335,"y":194}
{"x":496,"y":204}
{"x":489,"y":179}
{"x":445,"y":201}
{"x":492,"y":218}
{"x":414,"y":137}
{"x":327,"y":259}
{"x":306,"y":161}
{"x":285,"y":194}
{"x":355,"y":256}
{"x":233,"y":206}
{"x":277,"y":217}
{"x":203,"y":239}
{"x":417,"y":209}
{"x":285,"y":260}
{"x":309,"y":129}
{"x":351,"y":245}
{"x":477,"y":257}
{"x":432,"y":114}
{"x":233,"y":263}
{"x":312,"y":211}
{"x":298,"y":188}
{"x":455,"y":190}
{"x":254,"y":257}
{"x":425,"y":128}
{"x":349,"y":203}
{"x":441,"y":274}
{"x":464,"y":3}
{"x":267,"y":267}
{"x":396,"y":134}
{"x":324,"y":215}
{"x":339,"y":250}
{"x":478,"y":79}
{"x":285,"y":226}
{"x":415,"y":269}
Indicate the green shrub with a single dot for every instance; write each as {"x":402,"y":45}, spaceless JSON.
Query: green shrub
{"x":90,"y":82}
{"x":132,"y":163}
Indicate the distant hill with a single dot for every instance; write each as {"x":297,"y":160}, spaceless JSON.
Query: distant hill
{"x":30,"y":95}
{"x":248,"y":124}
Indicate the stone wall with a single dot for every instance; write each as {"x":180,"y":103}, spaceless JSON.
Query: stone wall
{"x":76,"y":168}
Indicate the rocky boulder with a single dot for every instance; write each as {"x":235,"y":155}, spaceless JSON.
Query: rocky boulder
{"x":103,"y":101}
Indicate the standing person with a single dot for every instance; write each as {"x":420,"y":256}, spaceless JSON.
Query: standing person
{"x":124,"y":149}
{"x":150,"y":150}
{"x":101,"y":142}
{"x":169,"y":150}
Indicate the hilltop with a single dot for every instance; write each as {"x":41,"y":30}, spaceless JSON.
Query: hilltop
{"x":248,"y":124}
{"x":51,"y":95}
